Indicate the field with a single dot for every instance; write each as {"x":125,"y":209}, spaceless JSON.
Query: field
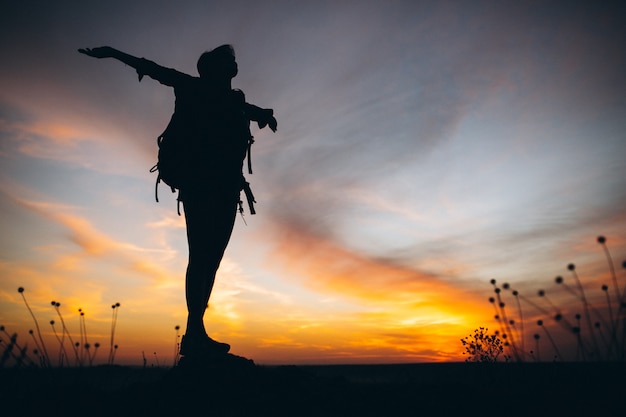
{"x":444,"y":389}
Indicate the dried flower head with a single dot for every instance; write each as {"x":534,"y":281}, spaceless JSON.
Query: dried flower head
{"x":571,"y":267}
{"x":601,"y":240}
{"x":558,"y":280}
{"x":20,"y":289}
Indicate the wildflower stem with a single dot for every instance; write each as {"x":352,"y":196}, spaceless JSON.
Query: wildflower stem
{"x":521,"y":320}
{"x":508,"y":328}
{"x":554,"y":346}
{"x":43,"y":345}
{"x":609,"y":259}
{"x":583,"y":298}
{"x":66,"y":331}
{"x":112,"y":346}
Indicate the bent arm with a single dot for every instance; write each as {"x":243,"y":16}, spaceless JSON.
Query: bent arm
{"x":143,"y":66}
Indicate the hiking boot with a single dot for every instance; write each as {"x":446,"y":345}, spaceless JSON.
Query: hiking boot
{"x":203,"y":345}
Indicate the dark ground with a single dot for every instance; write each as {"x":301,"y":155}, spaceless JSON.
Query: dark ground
{"x":242,"y":389}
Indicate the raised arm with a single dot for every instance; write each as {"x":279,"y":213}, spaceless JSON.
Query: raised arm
{"x":108,"y":52}
{"x":143,"y":66}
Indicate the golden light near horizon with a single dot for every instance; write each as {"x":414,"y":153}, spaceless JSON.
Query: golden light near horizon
{"x":363,"y":335}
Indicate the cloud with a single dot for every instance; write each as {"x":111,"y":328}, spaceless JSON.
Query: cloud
{"x":92,"y":243}
{"x":329,"y":268}
{"x":88,"y":143}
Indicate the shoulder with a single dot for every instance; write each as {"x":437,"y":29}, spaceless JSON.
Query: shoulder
{"x":238,"y":97}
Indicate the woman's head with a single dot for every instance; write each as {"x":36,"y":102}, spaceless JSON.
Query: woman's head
{"x":218,"y":63}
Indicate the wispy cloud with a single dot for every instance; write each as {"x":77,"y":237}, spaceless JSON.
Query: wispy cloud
{"x":329,"y":268}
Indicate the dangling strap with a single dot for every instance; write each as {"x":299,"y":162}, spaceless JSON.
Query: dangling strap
{"x":156,"y":166}
{"x":240,"y":203}
{"x":250,"y":142}
{"x":249,"y":196}
{"x":158,"y":180}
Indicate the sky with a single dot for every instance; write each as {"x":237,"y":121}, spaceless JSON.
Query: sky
{"x":423,"y":149}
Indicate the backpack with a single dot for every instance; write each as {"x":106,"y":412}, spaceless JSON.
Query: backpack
{"x":175,"y":159}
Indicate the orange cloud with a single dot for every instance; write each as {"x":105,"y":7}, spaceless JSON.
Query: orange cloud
{"x":402,"y":314}
{"x":327,"y":266}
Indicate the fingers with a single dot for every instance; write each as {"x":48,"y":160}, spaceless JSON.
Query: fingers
{"x":100,"y":52}
{"x":273,"y":124}
{"x":89,"y":52}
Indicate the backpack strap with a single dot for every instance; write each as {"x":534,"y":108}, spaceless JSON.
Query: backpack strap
{"x":250,"y":142}
{"x":155,"y":168}
{"x":249,"y":196}
{"x":158,"y":180}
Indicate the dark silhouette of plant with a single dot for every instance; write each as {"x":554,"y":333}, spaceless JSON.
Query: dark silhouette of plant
{"x":62,"y":352}
{"x":84,"y":351}
{"x":42,"y":345}
{"x":83,"y":337}
{"x":37,"y":351}
{"x":605,"y":323}
{"x":65,"y":331}
{"x":483,"y":347}
{"x":177,"y":345}
{"x":112,"y":345}
{"x":14,"y":351}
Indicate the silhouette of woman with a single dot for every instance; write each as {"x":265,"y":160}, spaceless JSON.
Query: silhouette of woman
{"x":213,"y":119}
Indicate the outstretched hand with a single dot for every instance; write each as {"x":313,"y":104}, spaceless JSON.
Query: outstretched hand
{"x":269,"y":120}
{"x":272,"y":123}
{"x":100,"y":52}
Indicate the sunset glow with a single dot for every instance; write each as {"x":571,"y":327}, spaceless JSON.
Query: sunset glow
{"x":423,"y":148}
